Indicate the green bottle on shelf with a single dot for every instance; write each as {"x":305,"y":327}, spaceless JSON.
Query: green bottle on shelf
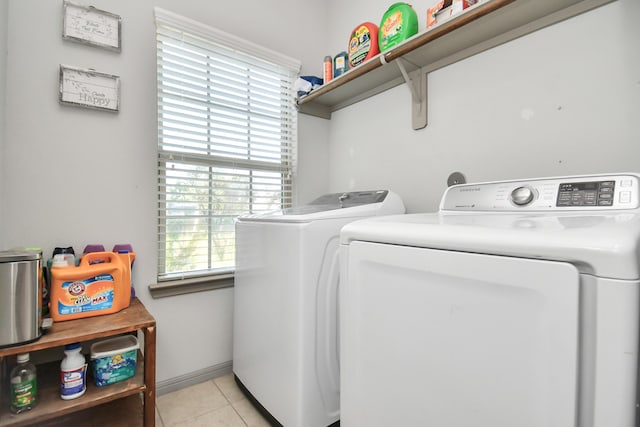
{"x":24,"y":385}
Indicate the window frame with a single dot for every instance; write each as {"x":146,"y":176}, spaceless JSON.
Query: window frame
{"x":195,"y":281}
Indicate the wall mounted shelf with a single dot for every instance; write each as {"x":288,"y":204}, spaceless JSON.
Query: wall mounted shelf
{"x":481,"y":27}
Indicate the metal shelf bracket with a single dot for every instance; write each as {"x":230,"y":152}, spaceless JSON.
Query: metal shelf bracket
{"x":417,"y":84}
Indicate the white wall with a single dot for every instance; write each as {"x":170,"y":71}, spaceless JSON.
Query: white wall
{"x":563,"y":100}
{"x":75,"y":176}
{"x":3,"y":80}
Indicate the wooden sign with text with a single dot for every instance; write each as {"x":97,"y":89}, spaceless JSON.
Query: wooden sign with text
{"x":88,"y":88}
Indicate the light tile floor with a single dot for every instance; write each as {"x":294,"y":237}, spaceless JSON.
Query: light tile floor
{"x":214,"y":403}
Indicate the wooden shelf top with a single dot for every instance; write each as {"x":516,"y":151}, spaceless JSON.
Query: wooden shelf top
{"x":130,"y":319}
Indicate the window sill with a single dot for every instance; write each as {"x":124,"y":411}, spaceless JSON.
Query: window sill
{"x":187,"y":286}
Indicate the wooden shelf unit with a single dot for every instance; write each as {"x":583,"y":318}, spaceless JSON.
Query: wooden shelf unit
{"x":50,"y":406}
{"x":483,"y":26}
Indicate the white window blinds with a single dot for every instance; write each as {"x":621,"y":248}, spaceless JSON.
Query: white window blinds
{"x":226,"y":141}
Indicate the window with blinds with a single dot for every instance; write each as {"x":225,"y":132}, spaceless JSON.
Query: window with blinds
{"x":226,"y":142}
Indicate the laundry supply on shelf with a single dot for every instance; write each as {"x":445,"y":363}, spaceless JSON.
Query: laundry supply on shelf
{"x":327,"y":69}
{"x":363,"y":44}
{"x":305,"y":84}
{"x":24,"y":385}
{"x":73,"y":372}
{"x":126,"y":248}
{"x":114,"y":359}
{"x":340,"y":64}
{"x":100,"y":284}
{"x":443,"y":10}
{"x":398,"y":23}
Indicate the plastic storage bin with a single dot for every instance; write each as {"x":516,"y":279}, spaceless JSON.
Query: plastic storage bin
{"x":114,"y":360}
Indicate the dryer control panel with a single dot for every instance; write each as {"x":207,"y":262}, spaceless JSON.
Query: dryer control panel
{"x":584,"y":193}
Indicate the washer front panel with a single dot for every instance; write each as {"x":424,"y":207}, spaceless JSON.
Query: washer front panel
{"x":441,"y":338}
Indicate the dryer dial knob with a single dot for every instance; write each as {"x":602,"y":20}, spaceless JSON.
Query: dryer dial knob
{"x":522,"y":196}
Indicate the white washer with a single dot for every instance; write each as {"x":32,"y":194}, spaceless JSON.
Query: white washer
{"x":285,"y":344}
{"x":517,"y":304}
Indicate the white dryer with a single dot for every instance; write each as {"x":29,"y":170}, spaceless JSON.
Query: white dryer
{"x":285,"y":343}
{"x":516,"y":304}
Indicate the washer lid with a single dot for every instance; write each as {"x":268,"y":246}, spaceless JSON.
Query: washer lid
{"x":592,"y":221}
{"x":336,"y":205}
{"x":604,"y":244}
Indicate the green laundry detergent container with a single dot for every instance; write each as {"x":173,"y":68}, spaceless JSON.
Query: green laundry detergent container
{"x":398,"y":23}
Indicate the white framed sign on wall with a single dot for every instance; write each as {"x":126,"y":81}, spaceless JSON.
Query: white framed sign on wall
{"x":89,"y":88}
{"x":88,"y":25}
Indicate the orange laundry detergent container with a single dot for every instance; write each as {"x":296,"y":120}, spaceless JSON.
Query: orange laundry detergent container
{"x":363,"y":44}
{"x":101,"y":284}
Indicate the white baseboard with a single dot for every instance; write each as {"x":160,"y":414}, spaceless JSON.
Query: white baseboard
{"x":186,"y":380}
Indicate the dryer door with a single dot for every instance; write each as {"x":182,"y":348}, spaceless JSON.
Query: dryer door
{"x":443,"y":338}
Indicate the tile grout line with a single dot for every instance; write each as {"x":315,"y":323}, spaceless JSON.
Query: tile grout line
{"x":157,"y":411}
{"x":230,"y":403}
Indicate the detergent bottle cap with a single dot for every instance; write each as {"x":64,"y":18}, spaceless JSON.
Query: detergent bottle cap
{"x":93,"y":248}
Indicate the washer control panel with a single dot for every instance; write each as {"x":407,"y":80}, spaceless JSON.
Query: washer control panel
{"x":594,"y":193}
{"x":587,"y":192}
